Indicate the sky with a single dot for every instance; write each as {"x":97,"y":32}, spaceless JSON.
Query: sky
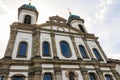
{"x":102,"y":18}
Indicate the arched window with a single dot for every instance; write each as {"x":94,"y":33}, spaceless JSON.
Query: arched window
{"x":27,"y":19}
{"x":92,"y":76}
{"x":81,"y":28}
{"x":71,"y":76}
{"x":22,"y":49}
{"x":83,"y":51}
{"x":18,"y":77}
{"x":65,"y":49}
{"x":97,"y":54}
{"x":46,"y":49}
{"x":47,"y":76}
{"x":108,"y":77}
{"x":1,"y":77}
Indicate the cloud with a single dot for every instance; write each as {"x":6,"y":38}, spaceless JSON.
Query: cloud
{"x":3,"y":8}
{"x":102,"y":9}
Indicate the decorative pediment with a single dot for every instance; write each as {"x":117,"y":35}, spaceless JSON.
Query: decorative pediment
{"x":57,"y":19}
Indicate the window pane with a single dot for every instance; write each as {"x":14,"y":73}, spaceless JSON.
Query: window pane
{"x":65,"y":49}
{"x":83,"y":52}
{"x":81,"y":28}
{"x":107,"y":77}
{"x":97,"y":54}
{"x":47,"y":77}
{"x":71,"y":76}
{"x":22,"y":49}
{"x":92,"y":76}
{"x":18,"y":78}
{"x":1,"y":77}
{"x":27,"y":19}
{"x":46,"y":49}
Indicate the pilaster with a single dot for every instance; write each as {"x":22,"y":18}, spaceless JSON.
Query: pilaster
{"x":55,"y":56}
{"x":57,"y":72}
{"x":75,"y":47}
{"x":101,"y":50}
{"x":88,"y":48}
{"x":84,"y":72}
{"x":36,"y":43}
{"x":99,"y":72}
{"x":115,"y":73}
{"x":37,"y":71}
{"x":10,"y":46}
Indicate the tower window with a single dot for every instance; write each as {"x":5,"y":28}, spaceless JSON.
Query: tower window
{"x":22,"y":50}
{"x":46,"y":49}
{"x":108,"y":77}
{"x":83,"y":51}
{"x":81,"y":28}
{"x":1,"y":77}
{"x":18,"y":77}
{"x":47,"y":76}
{"x":97,"y":54}
{"x":71,"y":76}
{"x":92,"y":76}
{"x":65,"y":49}
{"x":27,"y":19}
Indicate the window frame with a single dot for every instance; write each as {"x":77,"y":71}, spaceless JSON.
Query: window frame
{"x":18,"y":75}
{"x":94,"y":74}
{"x":98,"y":54}
{"x":2,"y":77}
{"x":73,"y":76}
{"x":110,"y":76}
{"x":43,"y":49}
{"x":68,"y":48}
{"x":87,"y":57}
{"x":51,"y":75}
{"x":81,"y":27}
{"x":27,"y":19}
{"x":18,"y":51}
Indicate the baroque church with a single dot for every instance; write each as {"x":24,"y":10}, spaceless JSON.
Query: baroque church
{"x":59,"y":49}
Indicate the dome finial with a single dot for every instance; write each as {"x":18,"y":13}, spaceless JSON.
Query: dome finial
{"x":69,"y":11}
{"x":30,"y":2}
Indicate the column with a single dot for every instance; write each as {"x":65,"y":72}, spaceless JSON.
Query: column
{"x":36,"y":43}
{"x":75,"y":47}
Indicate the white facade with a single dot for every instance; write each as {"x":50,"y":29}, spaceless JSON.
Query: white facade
{"x":23,"y":13}
{"x":22,"y":37}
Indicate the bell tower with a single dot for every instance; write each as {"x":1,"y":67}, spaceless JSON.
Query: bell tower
{"x":27,"y":14}
{"x":76,"y":22}
{"x":21,"y":33}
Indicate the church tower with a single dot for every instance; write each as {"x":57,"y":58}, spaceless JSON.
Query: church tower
{"x":59,"y":49}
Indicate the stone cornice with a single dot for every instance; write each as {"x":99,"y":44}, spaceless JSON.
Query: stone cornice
{"x":21,"y":26}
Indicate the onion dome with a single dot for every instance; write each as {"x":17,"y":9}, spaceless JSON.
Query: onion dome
{"x":74,"y":17}
{"x":28,"y":7}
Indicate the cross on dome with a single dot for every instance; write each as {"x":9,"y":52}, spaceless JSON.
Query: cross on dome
{"x":30,"y":2}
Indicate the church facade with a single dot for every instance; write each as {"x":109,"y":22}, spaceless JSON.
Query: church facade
{"x":59,"y":49}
